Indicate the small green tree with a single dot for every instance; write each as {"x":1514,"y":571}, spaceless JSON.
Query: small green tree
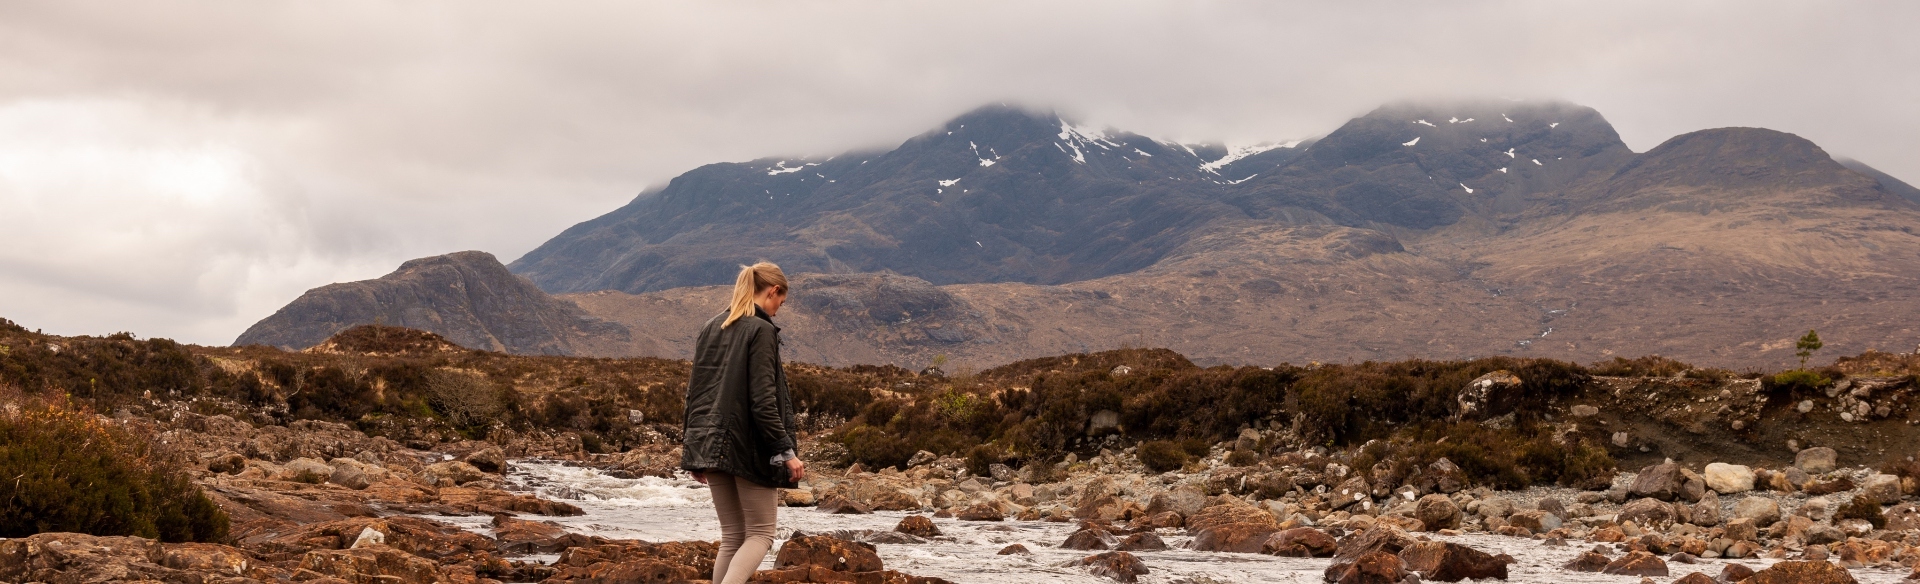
{"x":1807,"y":345}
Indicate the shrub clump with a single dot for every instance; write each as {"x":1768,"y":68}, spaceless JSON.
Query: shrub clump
{"x":1162,"y":455}
{"x":1648,"y":366}
{"x":1863,"y":508}
{"x":1798,"y":381}
{"x":69,"y":470}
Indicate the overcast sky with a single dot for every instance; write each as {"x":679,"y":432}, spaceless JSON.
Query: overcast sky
{"x":183,"y":169}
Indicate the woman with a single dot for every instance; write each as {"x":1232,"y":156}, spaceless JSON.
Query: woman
{"x":739,"y":421}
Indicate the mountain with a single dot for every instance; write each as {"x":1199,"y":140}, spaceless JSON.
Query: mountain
{"x":467,"y":297}
{"x":1439,"y":230}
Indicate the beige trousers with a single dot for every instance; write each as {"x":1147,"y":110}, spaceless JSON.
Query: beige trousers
{"x":747,"y":513}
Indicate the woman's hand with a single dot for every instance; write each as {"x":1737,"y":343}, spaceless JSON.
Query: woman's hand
{"x":797,"y":469}
{"x":700,"y":476}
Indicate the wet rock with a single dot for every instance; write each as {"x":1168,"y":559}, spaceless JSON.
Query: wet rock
{"x":1452,"y":562}
{"x":1234,"y":511}
{"x":832,"y":553}
{"x":893,"y":500}
{"x":1589,"y":561}
{"x":890,"y":537}
{"x":421,"y":537}
{"x":634,"y":561}
{"x":1301,"y":542}
{"x":917,"y":525}
{"x":492,"y":501}
{"x":1106,"y":508}
{"x":1246,"y":538}
{"x":1015,"y":549}
{"x":1661,"y":481}
{"x":1637,"y":564}
{"x":1761,"y":510}
{"x":1734,"y":573}
{"x":451,"y":473}
{"x":1144,"y":541}
{"x":519,"y":536}
{"x":1089,"y":538}
{"x":1801,"y":572}
{"x":1120,"y":566}
{"x":1374,"y":567}
{"x":1817,"y":460}
{"x":1728,"y":478}
{"x":1695,"y":578}
{"x":836,"y":504}
{"x":375,"y":563}
{"x":1437,"y":512}
{"x":488,"y":459}
{"x":981,"y":512}
{"x":1381,"y":538}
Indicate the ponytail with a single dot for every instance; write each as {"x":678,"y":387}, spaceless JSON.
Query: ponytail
{"x":752,"y":280}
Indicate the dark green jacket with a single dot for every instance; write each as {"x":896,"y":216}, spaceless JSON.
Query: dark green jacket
{"x":739,"y":411}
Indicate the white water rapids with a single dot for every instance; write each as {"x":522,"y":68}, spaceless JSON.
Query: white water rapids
{"x":656,"y":509}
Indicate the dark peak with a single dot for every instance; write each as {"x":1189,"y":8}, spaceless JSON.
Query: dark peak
{"x":1001,"y":115}
{"x":472,"y":259}
{"x":1887,"y":182}
{"x":1732,"y":157}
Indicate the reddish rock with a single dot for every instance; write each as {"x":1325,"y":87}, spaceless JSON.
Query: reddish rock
{"x":1015,"y":549}
{"x":1590,"y":561}
{"x":1222,"y":514}
{"x":1088,"y":539}
{"x":1380,"y":538}
{"x":981,"y":512}
{"x":1792,"y":572}
{"x":1451,"y":562}
{"x":1120,"y":566}
{"x":1144,"y":541}
{"x":519,"y":536}
{"x":1735,"y":573}
{"x":1637,"y":564}
{"x":893,"y":500}
{"x":372,"y":563}
{"x":917,"y":525}
{"x":1374,"y":567}
{"x":422,"y":537}
{"x":840,"y":505}
{"x":1246,"y":538}
{"x":1695,"y":578}
{"x":1301,"y":542}
{"x":835,"y":554}
{"x":493,"y":501}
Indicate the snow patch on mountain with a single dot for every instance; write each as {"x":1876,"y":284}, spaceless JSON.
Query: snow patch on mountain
{"x":1235,"y":153}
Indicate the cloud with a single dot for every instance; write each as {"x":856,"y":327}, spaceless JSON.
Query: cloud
{"x":184,"y":168}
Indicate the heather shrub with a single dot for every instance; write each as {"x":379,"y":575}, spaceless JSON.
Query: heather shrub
{"x":69,"y":470}
{"x":1795,"y":382}
{"x":1162,"y":455}
{"x":1648,"y":366}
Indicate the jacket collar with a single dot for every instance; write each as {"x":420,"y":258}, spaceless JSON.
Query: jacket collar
{"x":763,"y":316}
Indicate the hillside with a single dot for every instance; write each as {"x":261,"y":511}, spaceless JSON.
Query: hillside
{"x":1439,"y":230}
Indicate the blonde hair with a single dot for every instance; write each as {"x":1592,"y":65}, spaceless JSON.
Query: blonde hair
{"x":752,"y":280}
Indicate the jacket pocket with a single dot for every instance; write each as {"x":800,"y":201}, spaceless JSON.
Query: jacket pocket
{"x":706,"y":446}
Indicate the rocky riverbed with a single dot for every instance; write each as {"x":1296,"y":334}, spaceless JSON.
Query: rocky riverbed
{"x":320,"y":502}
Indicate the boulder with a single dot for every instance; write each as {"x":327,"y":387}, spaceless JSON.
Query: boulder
{"x":492,"y":501}
{"x":1903,"y":517}
{"x":1185,"y":500}
{"x":1706,"y":513}
{"x":1647,"y":512}
{"x":893,"y":500}
{"x":1661,"y":481}
{"x":1089,"y":538}
{"x":1728,"y":479}
{"x":1235,"y":511}
{"x":1695,"y":578}
{"x":1354,"y":490}
{"x":1801,"y":572}
{"x":1590,"y":561}
{"x":828,"y":552}
{"x":1374,"y":567}
{"x":1735,"y":573}
{"x":1445,"y":476}
{"x":1883,"y":489}
{"x":1495,"y":507}
{"x":836,"y":504}
{"x":1437,"y":512}
{"x":488,"y":459}
{"x":917,"y":525}
{"x":1382,"y":538}
{"x":224,"y":462}
{"x":374,"y":563}
{"x":1246,"y":538}
{"x":981,"y":512}
{"x":305,"y":470}
{"x":1637,"y":564}
{"x":1761,"y":510}
{"x":1120,"y":566}
{"x":519,"y":536}
{"x":1536,"y":521}
{"x":1301,"y":542}
{"x":1144,"y":541}
{"x":1452,"y":562}
{"x":1742,"y":529}
{"x":1485,"y":394}
{"x":1012,"y":550}
{"x":1817,"y":460}
{"x":350,"y":473}
{"x":451,"y":473}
